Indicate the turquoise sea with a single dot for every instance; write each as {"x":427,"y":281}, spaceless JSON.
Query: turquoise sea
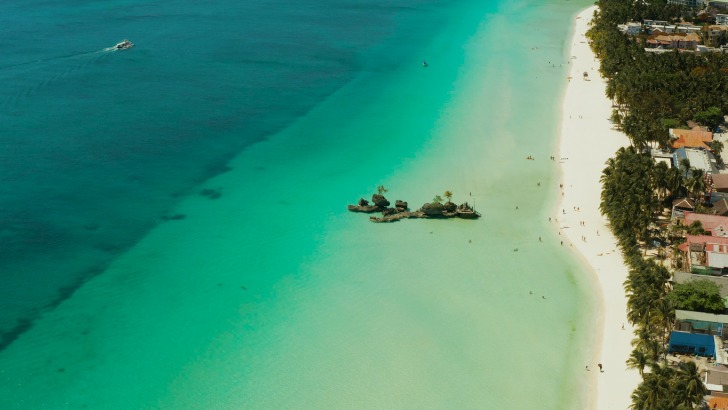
{"x":173,"y":224}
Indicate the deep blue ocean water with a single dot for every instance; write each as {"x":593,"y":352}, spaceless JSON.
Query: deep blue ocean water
{"x":97,"y":146}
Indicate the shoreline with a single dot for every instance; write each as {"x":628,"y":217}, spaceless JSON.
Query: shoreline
{"x":586,"y":141}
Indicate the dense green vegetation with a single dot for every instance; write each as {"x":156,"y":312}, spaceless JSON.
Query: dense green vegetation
{"x":670,"y":388}
{"x":698,"y":295}
{"x":652,"y":93}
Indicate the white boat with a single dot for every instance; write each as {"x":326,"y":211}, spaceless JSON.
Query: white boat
{"x":124,"y":45}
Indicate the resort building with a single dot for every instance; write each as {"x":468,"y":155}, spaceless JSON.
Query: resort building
{"x":630,"y":28}
{"x":714,"y":225}
{"x":681,"y":41}
{"x":720,"y":182}
{"x":720,"y":207}
{"x":704,"y":253}
{"x":658,"y":25}
{"x":692,"y":138}
{"x":687,"y":28}
{"x":721,"y":19}
{"x":692,"y":344}
{"x":699,"y":159}
{"x":679,"y":206}
{"x":701,"y":323}
{"x":714,"y":36}
{"x":652,"y":26}
{"x":689,"y":3}
{"x":650,"y":23}
{"x":718,"y":3}
{"x":716,"y":402}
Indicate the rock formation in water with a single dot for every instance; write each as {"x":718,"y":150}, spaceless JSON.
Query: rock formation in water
{"x":433,"y":209}
{"x":380,"y":201}
{"x":401,"y":209}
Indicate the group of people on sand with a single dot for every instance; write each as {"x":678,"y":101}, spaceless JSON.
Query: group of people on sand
{"x":601,"y":368}
{"x":552,"y":158}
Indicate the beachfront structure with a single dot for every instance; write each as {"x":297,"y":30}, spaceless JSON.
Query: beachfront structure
{"x":679,"y":206}
{"x":692,"y":344}
{"x":692,"y":138}
{"x":689,"y":3}
{"x":714,"y":225}
{"x":714,"y":276}
{"x":704,"y":252}
{"x":720,"y":207}
{"x":630,"y":28}
{"x":701,"y":323}
{"x":651,"y":23}
{"x":652,"y":26}
{"x":687,"y":28}
{"x":715,"y":402}
{"x":720,"y":182}
{"x":681,"y":41}
{"x":714,"y":36}
{"x":721,"y":19}
{"x":699,"y":159}
{"x":716,"y":380}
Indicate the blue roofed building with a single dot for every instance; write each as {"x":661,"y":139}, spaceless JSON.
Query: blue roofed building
{"x":692,"y":344}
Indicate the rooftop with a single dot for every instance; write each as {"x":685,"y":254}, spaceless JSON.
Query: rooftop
{"x":665,"y":38}
{"x":716,"y":224}
{"x":717,"y":402}
{"x":684,"y":203}
{"x":720,"y":207}
{"x":711,"y":242}
{"x":720,"y":181}
{"x":704,"y":317}
{"x":694,"y":138}
{"x":699,"y":159}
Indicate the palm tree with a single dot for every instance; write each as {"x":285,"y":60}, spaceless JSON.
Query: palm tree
{"x":674,"y":181}
{"x":382,"y":190}
{"x":685,"y":166}
{"x":695,"y":228}
{"x":689,"y":387}
{"x":437,"y":199}
{"x":654,"y":391}
{"x":638,"y":360}
{"x":696,"y":184}
{"x":448,"y":195}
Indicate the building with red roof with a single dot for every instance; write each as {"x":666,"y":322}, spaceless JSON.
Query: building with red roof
{"x":715,"y":225}
{"x":705,"y":251}
{"x":694,"y":138}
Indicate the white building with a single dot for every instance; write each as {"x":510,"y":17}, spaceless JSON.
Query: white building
{"x":630,"y":28}
{"x":721,"y":19}
{"x":689,"y":3}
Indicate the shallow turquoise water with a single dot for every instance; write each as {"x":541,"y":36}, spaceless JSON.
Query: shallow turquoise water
{"x":273,"y":296}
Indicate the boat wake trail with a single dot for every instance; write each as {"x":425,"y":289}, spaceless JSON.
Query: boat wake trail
{"x":56,"y":58}
{"x":30,"y":77}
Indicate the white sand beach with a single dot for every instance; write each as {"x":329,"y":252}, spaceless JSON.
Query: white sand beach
{"x":587,"y":141}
